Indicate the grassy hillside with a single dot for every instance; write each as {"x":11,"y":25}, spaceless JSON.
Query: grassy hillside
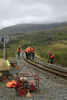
{"x":26,"y":27}
{"x":53,"y":39}
{"x":58,"y":49}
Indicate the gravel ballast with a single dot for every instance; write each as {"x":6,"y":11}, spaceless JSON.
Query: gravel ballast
{"x":51,"y":87}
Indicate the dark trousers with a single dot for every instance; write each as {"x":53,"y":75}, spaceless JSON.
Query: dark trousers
{"x":30,"y":54}
{"x":18,"y":54}
{"x":27,"y":55}
{"x":33,"y":55}
{"x":52,"y":60}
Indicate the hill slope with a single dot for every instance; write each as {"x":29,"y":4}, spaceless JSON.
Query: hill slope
{"x":27,"y":27}
{"x":53,"y":39}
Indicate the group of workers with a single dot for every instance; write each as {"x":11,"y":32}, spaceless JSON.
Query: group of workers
{"x":30,"y":52}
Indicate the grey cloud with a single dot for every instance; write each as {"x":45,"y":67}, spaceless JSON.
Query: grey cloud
{"x":32,"y":11}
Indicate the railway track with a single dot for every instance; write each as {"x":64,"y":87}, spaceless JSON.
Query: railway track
{"x":53,"y":70}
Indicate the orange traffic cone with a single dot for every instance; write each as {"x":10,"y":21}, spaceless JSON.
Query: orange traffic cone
{"x":28,"y":94}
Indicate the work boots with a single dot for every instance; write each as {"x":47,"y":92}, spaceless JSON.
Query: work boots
{"x":19,"y":57}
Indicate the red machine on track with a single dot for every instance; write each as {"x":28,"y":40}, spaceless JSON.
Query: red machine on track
{"x":26,"y":81}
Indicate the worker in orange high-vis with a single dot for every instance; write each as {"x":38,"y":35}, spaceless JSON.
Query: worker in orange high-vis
{"x":18,"y":50}
{"x":51,"y":57}
{"x":27,"y":51}
{"x":32,"y":51}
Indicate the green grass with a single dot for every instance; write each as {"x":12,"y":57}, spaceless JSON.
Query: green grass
{"x":54,"y":39}
{"x":59,"y":50}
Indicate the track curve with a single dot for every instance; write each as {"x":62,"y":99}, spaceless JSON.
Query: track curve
{"x":61,"y":72}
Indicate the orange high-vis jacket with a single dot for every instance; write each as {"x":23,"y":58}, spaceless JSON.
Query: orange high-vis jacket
{"x":18,"y":49}
{"x":33,"y":50}
{"x":27,"y":50}
{"x":51,"y":55}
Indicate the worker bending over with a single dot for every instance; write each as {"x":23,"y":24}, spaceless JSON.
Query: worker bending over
{"x":51,"y":57}
{"x":32,"y":52}
{"x":27,"y":51}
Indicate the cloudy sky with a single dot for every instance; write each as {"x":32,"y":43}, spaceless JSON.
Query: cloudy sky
{"x":14,"y":12}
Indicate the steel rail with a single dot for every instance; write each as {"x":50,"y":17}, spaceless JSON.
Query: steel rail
{"x":52,"y":70}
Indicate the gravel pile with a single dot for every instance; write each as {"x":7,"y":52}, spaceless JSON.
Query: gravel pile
{"x":50,"y":87}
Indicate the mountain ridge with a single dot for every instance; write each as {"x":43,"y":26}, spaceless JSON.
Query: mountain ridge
{"x":27,"y":27}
